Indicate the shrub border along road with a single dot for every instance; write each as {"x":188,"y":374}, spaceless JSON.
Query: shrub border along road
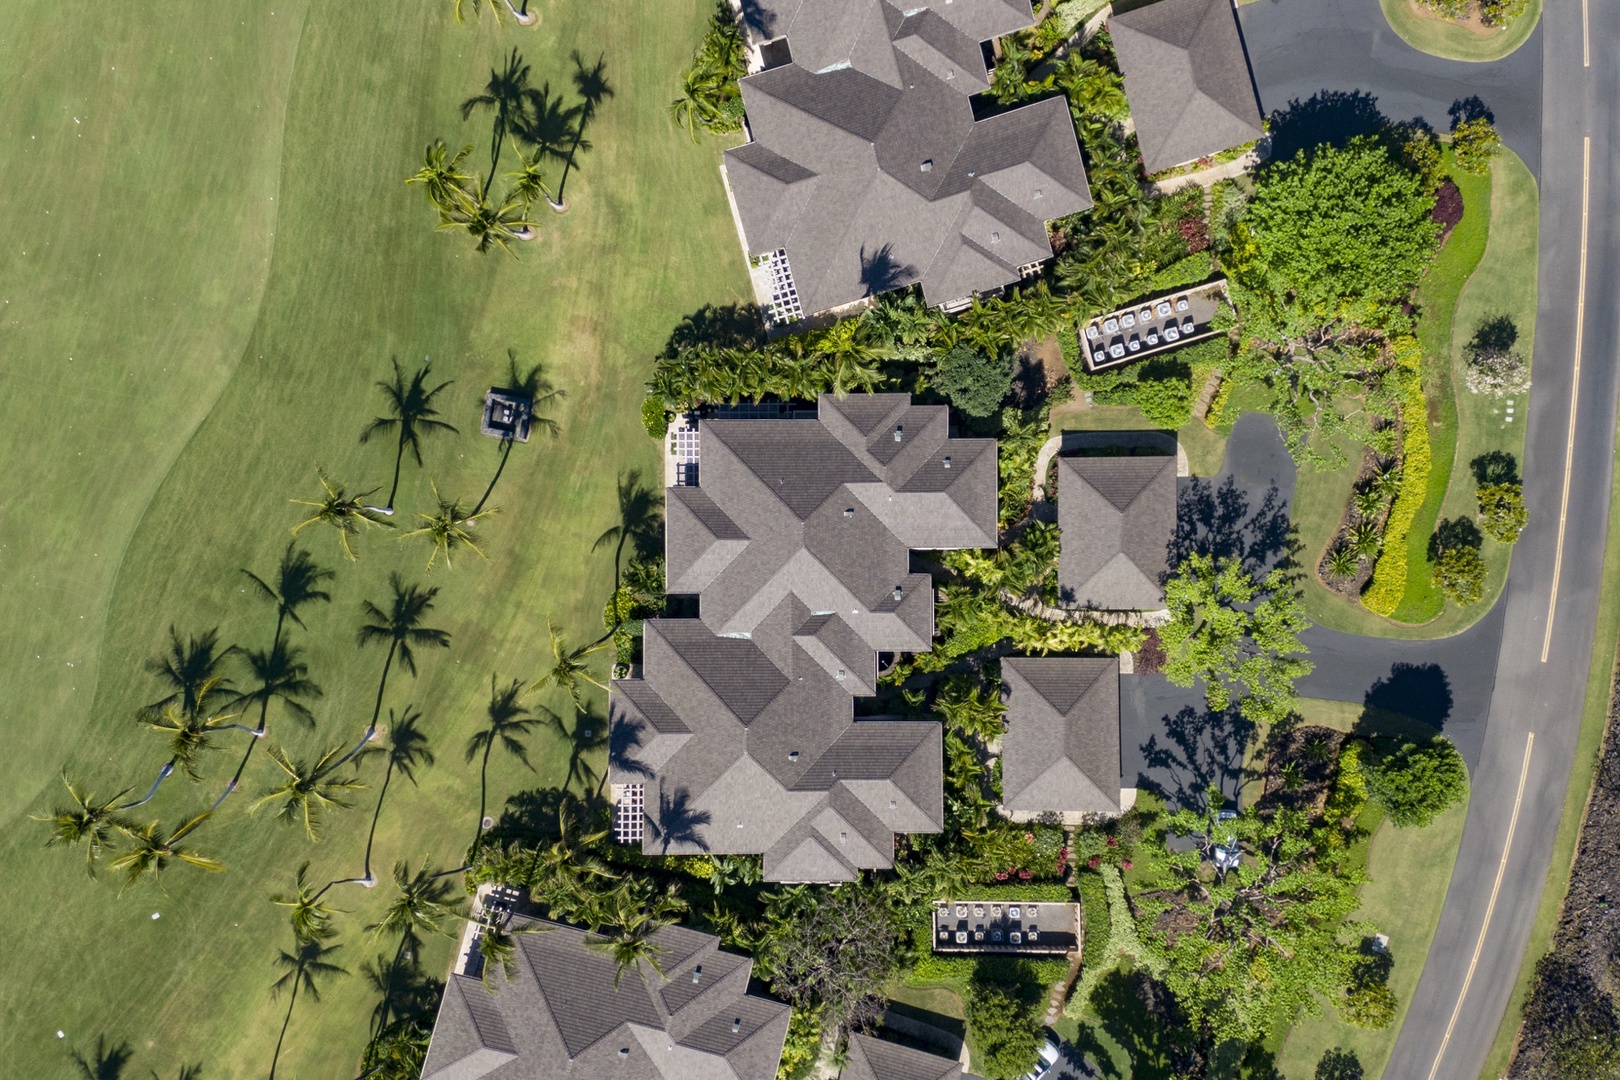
{"x":1599,"y":699}
{"x":1438,"y":37}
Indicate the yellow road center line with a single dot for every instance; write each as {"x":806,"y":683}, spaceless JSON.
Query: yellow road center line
{"x":1574,"y":400}
{"x":1490,"y":909}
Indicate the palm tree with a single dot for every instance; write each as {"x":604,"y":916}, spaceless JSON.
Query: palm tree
{"x":1364,"y":538}
{"x":190,"y":734}
{"x":508,"y":94}
{"x":1368,"y":502}
{"x":448,"y":528}
{"x":298,"y":582}
{"x":309,"y":917}
{"x":534,"y":385}
{"x":412,"y":415}
{"x":629,"y":940}
{"x":191,"y":669}
{"x":309,"y":789}
{"x":529,"y":183}
{"x":508,"y":720}
{"x":640,"y":518}
{"x":443,"y":177}
{"x":346,"y":513}
{"x":422,"y":905}
{"x":851,"y":357}
{"x":305,"y":965}
{"x":492,"y":225}
{"x":1342,"y":561}
{"x":400,"y":626}
{"x":154,"y":850}
{"x":592,"y":86}
{"x":407,"y":749}
{"x":497,"y":945}
{"x":568,"y":667}
{"x":87,"y":822}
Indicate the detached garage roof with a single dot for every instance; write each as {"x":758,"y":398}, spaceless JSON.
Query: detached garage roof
{"x":1187,"y":79}
{"x":1061,"y":749}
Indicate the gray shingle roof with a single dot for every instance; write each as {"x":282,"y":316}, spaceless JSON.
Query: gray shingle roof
{"x":1117,"y":516}
{"x":742,"y":724}
{"x":559,"y":1015}
{"x":875,"y":1059}
{"x":1187,"y":80}
{"x":1061,"y":748}
{"x":868,"y":167}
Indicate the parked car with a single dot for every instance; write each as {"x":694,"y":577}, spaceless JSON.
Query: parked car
{"x":1051,"y":1051}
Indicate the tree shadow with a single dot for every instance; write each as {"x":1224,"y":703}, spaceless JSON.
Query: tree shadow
{"x":105,"y":1062}
{"x":1497,"y":334}
{"x":1219,"y":521}
{"x":1202,"y":750}
{"x":549,"y":125}
{"x":678,"y":822}
{"x":881,"y":271}
{"x":758,"y":20}
{"x":1326,"y":118}
{"x":532,"y":816}
{"x":510,"y":97}
{"x":592,"y":86}
{"x":1457,"y":532}
{"x":1464,"y":110}
{"x":1495,"y":467}
{"x":1141,"y":1017}
{"x":1339,"y":1064}
{"x":1421,"y":691}
{"x":625,"y":737}
{"x":717,"y":326}
{"x":404,"y":990}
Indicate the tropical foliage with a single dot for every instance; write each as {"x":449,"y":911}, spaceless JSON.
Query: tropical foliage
{"x":710,"y":100}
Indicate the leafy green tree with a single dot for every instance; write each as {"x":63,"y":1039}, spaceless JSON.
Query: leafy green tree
{"x":1370,"y":1005}
{"x":1262,"y":940}
{"x":1332,"y":240}
{"x":153,"y":850}
{"x":411,"y":416}
{"x":1460,"y":574}
{"x":1238,"y":634}
{"x":508,"y":722}
{"x":1005,"y":1030}
{"x":1418,"y":782}
{"x":346,"y":513}
{"x":1502,"y":511}
{"x":87,"y":823}
{"x":1475,"y":142}
{"x":306,"y":965}
{"x":973,"y":382}
{"x":838,"y":958}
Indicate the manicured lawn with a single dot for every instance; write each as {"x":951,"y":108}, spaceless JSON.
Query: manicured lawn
{"x":221,"y":258}
{"x":1409,"y":871}
{"x":1599,"y":682}
{"x":1443,"y":37}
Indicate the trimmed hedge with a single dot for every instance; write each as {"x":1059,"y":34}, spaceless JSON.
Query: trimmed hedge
{"x":1195,"y":269}
{"x":1388,"y":585}
{"x":1094,"y":898}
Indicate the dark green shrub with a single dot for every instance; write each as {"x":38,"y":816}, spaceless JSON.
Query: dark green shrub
{"x":976,"y":384}
{"x":1004,"y":1029}
{"x":1416,"y":783}
{"x":654,"y":417}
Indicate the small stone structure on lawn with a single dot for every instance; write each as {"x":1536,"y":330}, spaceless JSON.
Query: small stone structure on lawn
{"x":507,"y":414}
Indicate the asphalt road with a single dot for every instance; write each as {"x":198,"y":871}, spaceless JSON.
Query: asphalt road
{"x":1300,"y":48}
{"x":1297,"y":47}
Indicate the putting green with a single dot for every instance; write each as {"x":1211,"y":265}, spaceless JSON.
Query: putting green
{"x":211,"y":259}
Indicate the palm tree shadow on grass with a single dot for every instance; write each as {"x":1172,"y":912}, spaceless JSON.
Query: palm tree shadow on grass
{"x":640,"y":526}
{"x":593,"y":88}
{"x":105,"y":1062}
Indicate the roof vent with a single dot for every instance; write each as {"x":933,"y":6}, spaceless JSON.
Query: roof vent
{"x":793,"y":755}
{"x":736,"y":1024}
{"x":899,"y":432}
{"x":697,"y":974}
{"x":843,"y":837}
{"x":1039,"y":194}
{"x":995,"y":237}
{"x":892,"y":804}
{"x":898,"y":592}
{"x":947,"y":461}
{"x":928,"y":165}
{"x":849,"y":511}
{"x":624,"y":1051}
{"x":840,"y":675}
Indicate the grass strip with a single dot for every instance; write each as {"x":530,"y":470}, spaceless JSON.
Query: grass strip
{"x":1599,"y":688}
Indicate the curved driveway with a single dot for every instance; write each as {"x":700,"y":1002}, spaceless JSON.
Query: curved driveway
{"x":1298,"y":47}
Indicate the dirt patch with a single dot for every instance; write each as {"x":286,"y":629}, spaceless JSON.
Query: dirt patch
{"x":1578,"y":987}
{"x":1300,"y":768}
{"x":1037,"y":371}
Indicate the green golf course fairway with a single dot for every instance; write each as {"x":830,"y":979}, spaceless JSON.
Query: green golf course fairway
{"x":210,"y":257}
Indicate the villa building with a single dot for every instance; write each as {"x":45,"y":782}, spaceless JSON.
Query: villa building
{"x":867,"y":169}
{"x":738,"y":733}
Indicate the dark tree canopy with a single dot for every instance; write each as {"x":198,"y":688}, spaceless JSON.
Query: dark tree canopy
{"x":1417,"y":783}
{"x":973,"y":382}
